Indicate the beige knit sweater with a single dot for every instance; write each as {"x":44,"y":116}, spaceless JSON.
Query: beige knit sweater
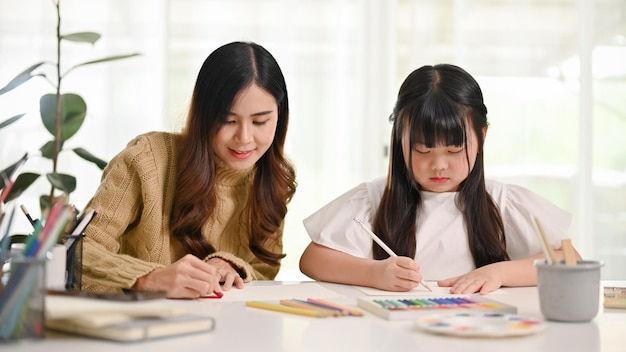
{"x":130,"y":235}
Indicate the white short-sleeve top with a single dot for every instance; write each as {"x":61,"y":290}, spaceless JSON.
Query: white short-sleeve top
{"x":442,"y":245}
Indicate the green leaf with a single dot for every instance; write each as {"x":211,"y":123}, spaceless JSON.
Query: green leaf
{"x":90,"y":157}
{"x":47,"y":150}
{"x":105,"y":59}
{"x":82,"y":37}
{"x":64,"y":182}
{"x":10,"y":120}
{"x":23,"y":77}
{"x":22,"y":182}
{"x":73,"y":112}
{"x":45,"y":205}
{"x":8,"y":172}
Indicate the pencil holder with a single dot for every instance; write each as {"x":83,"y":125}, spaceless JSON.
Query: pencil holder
{"x":56,"y":267}
{"x":569,"y":293}
{"x":74,"y":262}
{"x":22,"y":298}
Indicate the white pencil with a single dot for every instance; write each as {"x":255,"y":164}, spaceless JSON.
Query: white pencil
{"x":384,"y":246}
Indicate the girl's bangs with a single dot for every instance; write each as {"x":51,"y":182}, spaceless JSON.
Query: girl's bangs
{"x":437,"y":123}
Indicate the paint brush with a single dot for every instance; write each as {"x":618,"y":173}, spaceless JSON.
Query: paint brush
{"x":548,"y":251}
{"x":32,"y":221}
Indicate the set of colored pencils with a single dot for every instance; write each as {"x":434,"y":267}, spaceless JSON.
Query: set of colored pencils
{"x":311,"y":307}
{"x":27,"y":271}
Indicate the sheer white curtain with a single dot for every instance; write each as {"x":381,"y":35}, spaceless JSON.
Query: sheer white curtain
{"x":124,"y":98}
{"x":344,"y":61}
{"x":339,"y":62}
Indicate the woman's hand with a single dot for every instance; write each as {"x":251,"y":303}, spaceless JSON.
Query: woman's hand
{"x":228,"y":276}
{"x":189,"y":277}
{"x":482,"y":280}
{"x":396,"y":274}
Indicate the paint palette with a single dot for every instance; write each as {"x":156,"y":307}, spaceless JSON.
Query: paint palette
{"x":480,"y":324}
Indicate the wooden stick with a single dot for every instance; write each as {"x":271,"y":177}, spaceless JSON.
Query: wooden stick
{"x":568,"y":251}
{"x":548,"y":250}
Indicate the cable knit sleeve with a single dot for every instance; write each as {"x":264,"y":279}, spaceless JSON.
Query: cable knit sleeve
{"x":129,"y":220}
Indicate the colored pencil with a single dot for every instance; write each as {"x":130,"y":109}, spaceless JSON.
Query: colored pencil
{"x":285,"y":309}
{"x":4,"y":237}
{"x":10,"y":180}
{"x":346,"y":310}
{"x":306,"y":305}
{"x":215,"y":294}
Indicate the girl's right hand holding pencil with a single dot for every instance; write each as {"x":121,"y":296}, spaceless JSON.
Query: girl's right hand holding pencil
{"x":396,"y":274}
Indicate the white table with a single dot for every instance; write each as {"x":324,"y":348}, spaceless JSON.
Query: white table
{"x":241,"y":328}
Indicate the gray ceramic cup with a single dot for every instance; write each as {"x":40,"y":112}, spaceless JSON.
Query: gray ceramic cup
{"x":569,"y":293}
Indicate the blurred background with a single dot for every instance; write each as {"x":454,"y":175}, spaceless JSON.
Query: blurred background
{"x":553,"y":74}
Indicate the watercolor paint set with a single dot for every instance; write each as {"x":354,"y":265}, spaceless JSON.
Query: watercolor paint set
{"x":414,"y":307}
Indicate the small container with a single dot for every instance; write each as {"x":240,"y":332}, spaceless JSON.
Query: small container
{"x":569,"y":293}
{"x":22,"y":299}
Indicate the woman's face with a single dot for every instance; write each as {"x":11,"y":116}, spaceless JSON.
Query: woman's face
{"x":249,"y":129}
{"x":442,"y":168}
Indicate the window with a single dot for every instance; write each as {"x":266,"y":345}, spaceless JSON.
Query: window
{"x":553,"y":75}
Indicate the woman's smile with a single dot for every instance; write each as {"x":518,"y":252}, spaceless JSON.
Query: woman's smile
{"x":241,"y":154}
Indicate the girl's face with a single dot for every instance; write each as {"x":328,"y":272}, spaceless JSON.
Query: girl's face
{"x":249,"y":129}
{"x":441,"y":168}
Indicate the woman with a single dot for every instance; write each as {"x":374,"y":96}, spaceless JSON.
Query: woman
{"x":185,"y":212}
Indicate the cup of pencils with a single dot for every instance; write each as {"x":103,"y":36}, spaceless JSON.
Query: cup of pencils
{"x":22,"y":298}
{"x":569,"y":292}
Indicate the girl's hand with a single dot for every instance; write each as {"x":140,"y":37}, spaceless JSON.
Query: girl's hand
{"x":482,"y":280}
{"x":396,"y":274}
{"x":189,"y":277}
{"x":228,"y":275}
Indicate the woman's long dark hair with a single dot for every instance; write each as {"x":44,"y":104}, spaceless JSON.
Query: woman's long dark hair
{"x":435,"y":106}
{"x":224,"y":73}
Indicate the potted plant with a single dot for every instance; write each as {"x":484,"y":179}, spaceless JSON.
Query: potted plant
{"x":62,"y":115}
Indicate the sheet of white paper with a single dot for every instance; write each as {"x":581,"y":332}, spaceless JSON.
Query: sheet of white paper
{"x":418,"y":291}
{"x":277,"y":292}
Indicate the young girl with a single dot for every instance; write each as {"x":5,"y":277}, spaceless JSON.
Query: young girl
{"x":435,"y":209}
{"x":185,"y":212}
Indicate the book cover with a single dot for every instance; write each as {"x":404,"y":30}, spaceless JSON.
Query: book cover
{"x":414,"y":307}
{"x":614,"y":297}
{"x":121,"y":320}
{"x":135,"y":328}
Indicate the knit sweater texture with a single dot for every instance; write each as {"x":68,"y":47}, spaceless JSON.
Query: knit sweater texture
{"x":130,"y":235}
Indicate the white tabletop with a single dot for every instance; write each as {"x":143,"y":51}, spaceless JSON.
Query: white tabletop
{"x":241,"y":328}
